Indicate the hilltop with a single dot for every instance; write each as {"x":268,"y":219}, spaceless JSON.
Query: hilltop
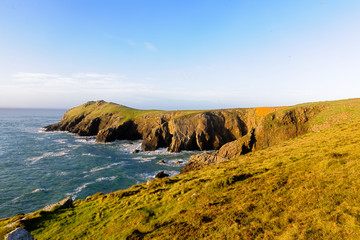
{"x":298,"y":180}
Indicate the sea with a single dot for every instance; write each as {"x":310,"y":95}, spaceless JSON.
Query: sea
{"x":38,"y":168}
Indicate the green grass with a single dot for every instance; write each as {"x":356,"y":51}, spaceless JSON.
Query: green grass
{"x":92,"y":110}
{"x":304,"y":188}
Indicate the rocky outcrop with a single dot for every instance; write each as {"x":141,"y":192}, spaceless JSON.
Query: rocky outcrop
{"x":124,"y":131}
{"x":176,"y":130}
{"x":157,"y":136}
{"x":19,"y":234}
{"x":161,"y":174}
{"x":204,"y":131}
{"x":228,"y":151}
{"x":201,"y":160}
{"x":274,"y":128}
{"x":285,"y":124}
{"x":65,"y":203}
{"x":233,"y":132}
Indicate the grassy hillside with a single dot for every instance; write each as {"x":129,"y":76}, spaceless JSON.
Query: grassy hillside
{"x":97,"y":109}
{"x":304,"y":188}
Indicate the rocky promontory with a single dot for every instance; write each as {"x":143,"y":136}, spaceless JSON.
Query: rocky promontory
{"x":175,"y":130}
{"x":232,"y":132}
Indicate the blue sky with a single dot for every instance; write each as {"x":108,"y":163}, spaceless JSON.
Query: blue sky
{"x":169,"y":54}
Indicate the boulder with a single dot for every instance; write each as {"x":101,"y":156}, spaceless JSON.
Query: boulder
{"x":238,"y":147}
{"x":161,"y":175}
{"x":19,"y":234}
{"x":201,"y":160}
{"x":65,"y":203}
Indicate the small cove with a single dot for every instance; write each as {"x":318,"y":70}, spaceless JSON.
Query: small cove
{"x":38,"y":168}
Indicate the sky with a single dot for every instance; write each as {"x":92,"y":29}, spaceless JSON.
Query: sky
{"x":172,"y":54}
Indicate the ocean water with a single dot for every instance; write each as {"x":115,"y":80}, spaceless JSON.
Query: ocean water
{"x":38,"y":168}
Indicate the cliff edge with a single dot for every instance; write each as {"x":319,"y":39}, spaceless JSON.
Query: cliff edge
{"x":176,"y":130}
{"x":232,"y":132}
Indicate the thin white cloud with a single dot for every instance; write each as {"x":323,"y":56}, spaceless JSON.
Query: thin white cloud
{"x":33,"y":77}
{"x":150,"y":46}
{"x":75,"y":82}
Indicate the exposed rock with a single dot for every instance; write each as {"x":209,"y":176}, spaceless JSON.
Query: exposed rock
{"x":99,"y":102}
{"x":238,"y":147}
{"x":228,"y":151}
{"x":284,"y":125}
{"x":136,"y":151}
{"x":19,"y":234}
{"x":125,"y":131}
{"x":161,"y":175}
{"x":179,"y":162}
{"x":158,"y":137}
{"x":161,"y":162}
{"x":200,"y":160}
{"x":19,"y":221}
{"x":198,"y":130}
{"x":65,"y":203}
{"x":176,"y":130}
{"x":89,"y":128}
{"x":203,"y":131}
{"x":274,"y":128}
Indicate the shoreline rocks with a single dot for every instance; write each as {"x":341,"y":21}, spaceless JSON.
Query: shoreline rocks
{"x":161,"y":174}
{"x":65,"y":203}
{"x":19,"y":234}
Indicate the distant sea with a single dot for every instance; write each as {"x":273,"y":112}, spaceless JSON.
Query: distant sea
{"x":38,"y":168}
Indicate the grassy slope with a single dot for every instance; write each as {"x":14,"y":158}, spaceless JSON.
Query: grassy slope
{"x":305,"y":188}
{"x":93,"y":110}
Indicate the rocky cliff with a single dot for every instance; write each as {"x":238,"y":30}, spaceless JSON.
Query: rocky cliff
{"x":176,"y":130}
{"x":274,"y":128}
{"x":233,"y":132}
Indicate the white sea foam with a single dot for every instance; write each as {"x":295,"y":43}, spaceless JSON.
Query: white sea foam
{"x":96,"y":169}
{"x":39,"y":190}
{"x":89,"y":154}
{"x":85,"y":140}
{"x":175,"y":162}
{"x":41,"y":130}
{"x":74,"y":146}
{"x":130,"y":147}
{"x":17,"y":198}
{"x":62,"y":173}
{"x":144,"y":159}
{"x":34,"y":160}
{"x":112,"y":178}
{"x":62,"y":141}
{"x":82,"y":187}
{"x":164,"y":151}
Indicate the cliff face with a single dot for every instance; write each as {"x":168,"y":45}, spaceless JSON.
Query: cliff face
{"x":176,"y":130}
{"x":274,"y":128}
{"x":233,"y":132}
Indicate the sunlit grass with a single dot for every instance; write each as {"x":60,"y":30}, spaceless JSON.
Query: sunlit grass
{"x":304,"y":188}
